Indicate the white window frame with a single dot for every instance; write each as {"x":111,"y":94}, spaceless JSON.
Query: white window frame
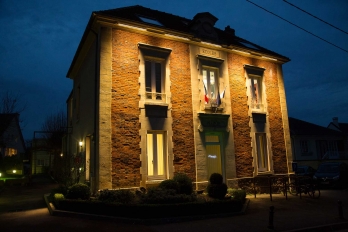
{"x":153,"y":94}
{"x":262,"y":152}
{"x":156,"y":156}
{"x":255,"y":86}
{"x":207,"y":79}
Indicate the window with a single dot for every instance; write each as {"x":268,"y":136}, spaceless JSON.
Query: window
{"x":40,"y":162}
{"x":149,"y":20}
{"x":304,"y":146}
{"x":327,"y":149}
{"x":262,"y":152}
{"x":154,"y":79}
{"x":10,"y":151}
{"x":210,"y":83}
{"x":156,"y":155}
{"x":255,"y":86}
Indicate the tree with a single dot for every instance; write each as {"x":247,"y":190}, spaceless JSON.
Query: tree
{"x":53,"y":130}
{"x":11,"y":103}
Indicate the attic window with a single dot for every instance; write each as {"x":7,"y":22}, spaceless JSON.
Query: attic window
{"x":151,"y":21}
{"x":249,"y":45}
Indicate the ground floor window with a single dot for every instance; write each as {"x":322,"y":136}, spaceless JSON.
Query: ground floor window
{"x":262,"y":152}
{"x":156,"y":155}
{"x":213,"y":153}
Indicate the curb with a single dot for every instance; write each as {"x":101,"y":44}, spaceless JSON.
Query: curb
{"x":55,"y":212}
{"x":329,"y":227}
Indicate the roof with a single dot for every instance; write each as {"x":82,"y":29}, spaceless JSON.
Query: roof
{"x":299,"y":127}
{"x":184,"y":25}
{"x":343,"y":127}
{"x":162,"y":21}
{"x":5,"y":120}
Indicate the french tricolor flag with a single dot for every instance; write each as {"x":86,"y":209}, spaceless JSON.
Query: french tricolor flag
{"x":206,"y":99}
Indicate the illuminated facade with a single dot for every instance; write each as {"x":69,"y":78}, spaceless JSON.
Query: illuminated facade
{"x":155,"y":94}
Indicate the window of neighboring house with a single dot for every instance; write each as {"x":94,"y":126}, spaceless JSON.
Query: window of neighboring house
{"x":154,"y":79}
{"x":210,"y":82}
{"x":327,"y":149}
{"x":156,"y":155}
{"x":304,"y":147}
{"x":10,"y":151}
{"x":40,"y":162}
{"x":262,"y":152}
{"x":78,"y":93}
{"x":71,"y":107}
{"x":255,"y":87}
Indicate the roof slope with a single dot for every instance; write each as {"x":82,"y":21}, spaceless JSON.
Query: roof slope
{"x":183,"y":25}
{"x":5,"y":120}
{"x":299,"y":127}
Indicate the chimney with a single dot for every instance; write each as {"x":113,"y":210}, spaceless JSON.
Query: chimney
{"x":229,"y":30}
{"x":335,"y":121}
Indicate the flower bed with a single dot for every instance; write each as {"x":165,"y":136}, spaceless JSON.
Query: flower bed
{"x":142,"y":211}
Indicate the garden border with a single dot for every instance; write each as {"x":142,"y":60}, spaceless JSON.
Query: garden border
{"x":55,"y":212}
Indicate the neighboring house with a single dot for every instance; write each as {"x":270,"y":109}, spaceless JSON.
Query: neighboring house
{"x":313,"y":144}
{"x":41,"y":156}
{"x":11,"y":138}
{"x":155,"y":94}
{"x":339,"y":126}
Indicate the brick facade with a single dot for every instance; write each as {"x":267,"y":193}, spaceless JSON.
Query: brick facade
{"x":125,"y":107}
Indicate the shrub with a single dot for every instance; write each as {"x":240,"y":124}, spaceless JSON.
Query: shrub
{"x":237,"y":194}
{"x":57,"y":197}
{"x":217,"y":191}
{"x":61,"y":189}
{"x":185,"y":183}
{"x":170,"y":184}
{"x":156,"y":195}
{"x":216,"y":178}
{"x":78,"y":191}
{"x":117,"y":196}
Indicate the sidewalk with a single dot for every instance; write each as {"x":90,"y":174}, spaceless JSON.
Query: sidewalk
{"x":292,"y":214}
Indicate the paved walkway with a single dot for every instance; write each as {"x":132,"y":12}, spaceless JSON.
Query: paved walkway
{"x":18,"y":214}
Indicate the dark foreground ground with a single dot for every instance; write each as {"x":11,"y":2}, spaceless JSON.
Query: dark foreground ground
{"x":22,"y":208}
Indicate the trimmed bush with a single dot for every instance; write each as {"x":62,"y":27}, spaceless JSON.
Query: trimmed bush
{"x":169,"y":184}
{"x":124,"y":196}
{"x":217,"y":191}
{"x":61,"y":189}
{"x":156,"y":195}
{"x":78,"y":191}
{"x":216,"y":178}
{"x":185,"y":183}
{"x":57,"y":197}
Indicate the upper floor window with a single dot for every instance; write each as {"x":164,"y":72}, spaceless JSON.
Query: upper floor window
{"x":154,"y":79}
{"x":255,"y":86}
{"x":154,"y":66}
{"x":211,"y":84}
{"x":255,"y":92}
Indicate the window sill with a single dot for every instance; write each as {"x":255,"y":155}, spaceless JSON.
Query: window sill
{"x":266,"y":173}
{"x":156,"y":103}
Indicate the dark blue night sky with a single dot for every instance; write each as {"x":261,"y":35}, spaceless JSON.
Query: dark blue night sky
{"x":39,"y":39}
